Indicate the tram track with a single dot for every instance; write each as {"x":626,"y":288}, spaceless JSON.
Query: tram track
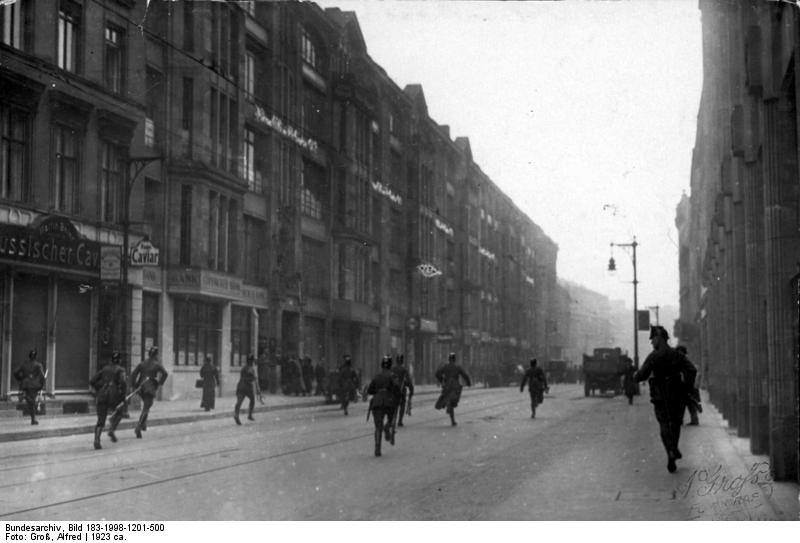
{"x":228,"y":466}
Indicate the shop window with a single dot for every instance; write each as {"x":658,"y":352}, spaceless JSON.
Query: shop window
{"x":150,"y":321}
{"x":240,"y":335}
{"x":196,"y":332}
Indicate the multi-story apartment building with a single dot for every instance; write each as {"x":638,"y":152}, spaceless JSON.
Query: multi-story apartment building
{"x":739,"y":236}
{"x":279,"y":193}
{"x":72,"y":112}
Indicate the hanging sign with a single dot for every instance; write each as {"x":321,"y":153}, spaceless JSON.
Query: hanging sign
{"x":144,"y":253}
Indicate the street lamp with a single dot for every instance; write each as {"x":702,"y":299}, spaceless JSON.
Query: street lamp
{"x":138,"y":164}
{"x":612,"y":266}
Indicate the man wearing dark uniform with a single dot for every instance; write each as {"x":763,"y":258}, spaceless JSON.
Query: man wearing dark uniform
{"x":404,"y":379}
{"x":448,"y":377}
{"x":247,"y":387}
{"x":149,"y":375}
{"x":672,"y":376}
{"x":30,"y":375}
{"x":537,"y":385}
{"x":110,"y":388}
{"x":385,"y":391}
{"x":349,"y":382}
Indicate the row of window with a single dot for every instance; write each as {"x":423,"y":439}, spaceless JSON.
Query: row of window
{"x":67,"y":158}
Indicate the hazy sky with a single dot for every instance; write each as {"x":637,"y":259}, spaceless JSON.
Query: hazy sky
{"x":583,"y":112}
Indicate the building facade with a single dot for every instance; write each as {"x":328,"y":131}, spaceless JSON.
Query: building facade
{"x":279,"y":193}
{"x":739,"y":236}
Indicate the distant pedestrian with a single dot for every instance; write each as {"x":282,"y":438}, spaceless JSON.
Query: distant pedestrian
{"x":406,"y":388}
{"x":628,"y":382}
{"x":672,"y":375}
{"x":349,"y":382}
{"x":31,"y":377}
{"x":210,"y":376}
{"x":693,"y":404}
{"x":147,"y":377}
{"x":307,"y":369}
{"x":537,"y":385}
{"x":449,"y":377}
{"x":385,"y":391}
{"x":247,"y":387}
{"x":320,"y":374}
{"x":110,"y":389}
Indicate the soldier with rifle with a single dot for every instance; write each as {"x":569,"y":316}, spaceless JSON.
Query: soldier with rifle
{"x":537,"y":385}
{"x":670,"y":376}
{"x":404,"y":378}
{"x":449,"y":378}
{"x":148,"y":376}
{"x":31,"y":377}
{"x":110,"y":388}
{"x":385,"y":391}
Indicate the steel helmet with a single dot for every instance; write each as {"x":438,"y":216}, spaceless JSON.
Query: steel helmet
{"x":386,"y":362}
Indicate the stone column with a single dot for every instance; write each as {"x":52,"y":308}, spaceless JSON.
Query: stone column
{"x":782,"y":245}
{"x":757,"y":369}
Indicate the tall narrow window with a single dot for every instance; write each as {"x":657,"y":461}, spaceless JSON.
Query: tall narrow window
{"x":188,"y":26}
{"x":187,"y":112}
{"x":240,"y":335}
{"x":115,"y":58}
{"x":69,"y":20}
{"x":186,"y":225}
{"x":213,"y":126}
{"x":12,"y":24}
{"x":308,"y":51}
{"x":111,"y":182}
{"x":249,"y":74}
{"x":213,"y":228}
{"x":232,"y":247}
{"x":233,"y":136}
{"x":222,"y":234}
{"x":249,"y":156}
{"x":14,"y":151}
{"x":65,"y":183}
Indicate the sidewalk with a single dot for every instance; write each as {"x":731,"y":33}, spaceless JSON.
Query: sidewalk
{"x":163,"y":412}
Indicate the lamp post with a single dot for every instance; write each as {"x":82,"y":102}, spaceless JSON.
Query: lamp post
{"x":138,"y":164}
{"x":612,"y":267}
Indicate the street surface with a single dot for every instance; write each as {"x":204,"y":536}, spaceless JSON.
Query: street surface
{"x":593,"y":458}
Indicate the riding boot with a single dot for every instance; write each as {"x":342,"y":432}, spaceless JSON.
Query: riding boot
{"x":138,"y":429}
{"x":236,"y":415}
{"x":97,"y":431}
{"x":452,"y":413}
{"x":112,"y":428}
{"x":378,"y":435}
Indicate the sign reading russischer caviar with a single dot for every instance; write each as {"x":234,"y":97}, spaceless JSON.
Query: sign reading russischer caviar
{"x":52,"y":241}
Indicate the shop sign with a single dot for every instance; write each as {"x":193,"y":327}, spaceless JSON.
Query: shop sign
{"x":110,"y":263}
{"x":286,"y":130}
{"x":54,"y":241}
{"x":144,"y":253}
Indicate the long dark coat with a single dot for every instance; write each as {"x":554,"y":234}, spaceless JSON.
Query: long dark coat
{"x":449,"y":377}
{"x":210,"y":375}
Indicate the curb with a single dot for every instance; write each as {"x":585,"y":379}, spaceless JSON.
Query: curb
{"x":127,"y":424}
